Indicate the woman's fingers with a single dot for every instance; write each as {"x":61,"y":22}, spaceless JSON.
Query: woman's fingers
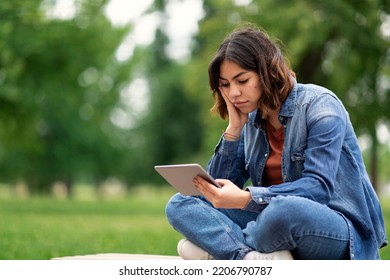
{"x":204,"y":186}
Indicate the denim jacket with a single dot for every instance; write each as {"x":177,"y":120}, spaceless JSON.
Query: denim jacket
{"x":321,"y":161}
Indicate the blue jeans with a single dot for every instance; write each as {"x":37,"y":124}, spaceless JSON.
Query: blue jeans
{"x":307,"y":229}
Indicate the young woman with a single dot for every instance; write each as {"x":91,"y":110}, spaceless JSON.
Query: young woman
{"x":309,"y":195}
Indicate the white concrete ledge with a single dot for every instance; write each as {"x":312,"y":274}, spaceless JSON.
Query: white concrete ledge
{"x":114,"y":256}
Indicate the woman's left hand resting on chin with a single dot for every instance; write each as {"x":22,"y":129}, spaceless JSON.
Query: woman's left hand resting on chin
{"x":228,"y":196}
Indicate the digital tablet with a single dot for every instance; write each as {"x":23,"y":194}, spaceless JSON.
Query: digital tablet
{"x":180,"y":176}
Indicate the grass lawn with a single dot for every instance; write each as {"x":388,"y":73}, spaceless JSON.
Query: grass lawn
{"x":43,"y":228}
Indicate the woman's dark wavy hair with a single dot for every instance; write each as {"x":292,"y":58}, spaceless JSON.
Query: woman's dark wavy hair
{"x":253,"y":50}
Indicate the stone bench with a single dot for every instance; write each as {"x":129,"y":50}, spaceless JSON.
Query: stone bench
{"x":115,"y":256}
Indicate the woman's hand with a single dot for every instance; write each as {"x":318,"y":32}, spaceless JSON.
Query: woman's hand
{"x":229,"y":196}
{"x":237,"y":119}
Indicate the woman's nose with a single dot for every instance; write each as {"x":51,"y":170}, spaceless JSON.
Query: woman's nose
{"x":234,"y":91}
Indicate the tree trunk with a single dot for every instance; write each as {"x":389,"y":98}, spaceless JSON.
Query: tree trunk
{"x":69,"y":185}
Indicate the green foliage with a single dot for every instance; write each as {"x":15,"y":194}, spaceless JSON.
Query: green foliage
{"x":171,"y":131}
{"x":60,"y":83}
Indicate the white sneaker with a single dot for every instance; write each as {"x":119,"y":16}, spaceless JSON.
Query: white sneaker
{"x":277,"y":255}
{"x":189,"y":251}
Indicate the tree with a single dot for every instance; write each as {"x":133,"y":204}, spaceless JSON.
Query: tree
{"x":60,"y":83}
{"x":171,"y":132}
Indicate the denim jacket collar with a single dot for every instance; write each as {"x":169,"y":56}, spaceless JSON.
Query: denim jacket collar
{"x":286,"y":110}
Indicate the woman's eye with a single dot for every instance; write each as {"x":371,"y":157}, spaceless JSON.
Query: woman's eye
{"x":224,"y":85}
{"x":243,"y":81}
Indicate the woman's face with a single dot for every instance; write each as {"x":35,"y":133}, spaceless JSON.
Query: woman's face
{"x":241,"y":86}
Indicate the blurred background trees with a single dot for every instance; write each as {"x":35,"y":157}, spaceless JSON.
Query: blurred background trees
{"x":71,"y":109}
{"x":59,"y":84}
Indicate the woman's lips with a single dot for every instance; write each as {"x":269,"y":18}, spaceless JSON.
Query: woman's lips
{"x":240,"y":103}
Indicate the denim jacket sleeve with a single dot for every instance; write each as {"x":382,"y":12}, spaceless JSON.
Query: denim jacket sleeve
{"x":228,"y":161}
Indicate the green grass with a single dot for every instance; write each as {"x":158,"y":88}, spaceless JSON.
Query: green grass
{"x":43,"y":228}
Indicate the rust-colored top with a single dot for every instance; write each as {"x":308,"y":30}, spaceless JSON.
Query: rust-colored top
{"x":273,"y":166}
